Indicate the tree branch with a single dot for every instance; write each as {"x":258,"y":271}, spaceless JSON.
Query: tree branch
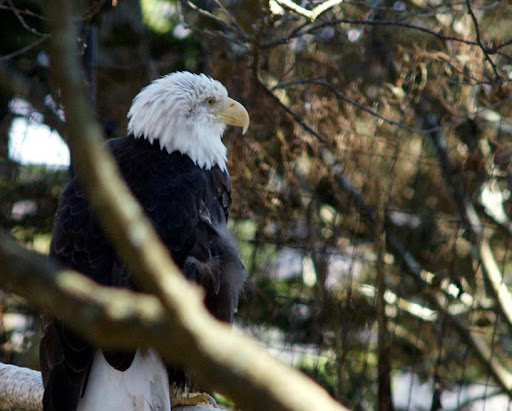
{"x":472,"y":223}
{"x":479,"y":40}
{"x":25,"y":49}
{"x":18,"y":84}
{"x":22,"y":387}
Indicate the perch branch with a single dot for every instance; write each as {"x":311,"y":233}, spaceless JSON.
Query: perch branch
{"x":20,"y":388}
{"x":23,"y":388}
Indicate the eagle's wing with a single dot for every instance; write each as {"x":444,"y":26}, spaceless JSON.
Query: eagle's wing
{"x":189,"y":208}
{"x":66,"y":358}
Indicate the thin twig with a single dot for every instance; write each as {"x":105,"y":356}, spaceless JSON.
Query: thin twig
{"x":16,"y":83}
{"x":393,"y":300}
{"x":94,"y":10}
{"x":25,"y":12}
{"x":395,"y":22}
{"x":202,"y":12}
{"x":295,"y":115}
{"x":232,"y":19}
{"x":25,"y":49}
{"x":22,"y":20}
{"x":368,"y":110}
{"x":479,"y":40}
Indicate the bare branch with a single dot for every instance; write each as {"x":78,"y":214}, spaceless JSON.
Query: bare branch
{"x":232,"y":19}
{"x":426,"y":130}
{"x":479,"y":40}
{"x":393,"y":300}
{"x":25,"y":49}
{"x":496,"y":280}
{"x":17,"y":84}
{"x":231,"y":27}
{"x":22,"y":20}
{"x":25,"y":12}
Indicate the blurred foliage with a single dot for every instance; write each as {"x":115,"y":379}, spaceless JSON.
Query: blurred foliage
{"x":410,"y":109}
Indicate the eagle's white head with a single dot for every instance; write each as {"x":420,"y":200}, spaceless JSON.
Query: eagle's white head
{"x":188,"y":113}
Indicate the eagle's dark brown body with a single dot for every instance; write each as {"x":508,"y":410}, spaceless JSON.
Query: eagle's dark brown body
{"x":189,"y":208}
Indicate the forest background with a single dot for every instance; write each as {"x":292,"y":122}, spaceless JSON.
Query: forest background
{"x":372,"y":193}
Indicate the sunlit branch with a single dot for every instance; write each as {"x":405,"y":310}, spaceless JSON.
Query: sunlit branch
{"x":310,"y":14}
{"x":472,"y":223}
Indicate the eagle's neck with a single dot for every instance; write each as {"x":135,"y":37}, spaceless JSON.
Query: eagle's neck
{"x":192,"y":135}
{"x":205,"y":148}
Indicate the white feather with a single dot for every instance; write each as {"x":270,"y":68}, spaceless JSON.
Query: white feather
{"x":172,"y":111}
{"x":144,"y":386}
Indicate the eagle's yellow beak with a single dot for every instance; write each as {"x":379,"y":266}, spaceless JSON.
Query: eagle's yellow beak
{"x":233,"y":113}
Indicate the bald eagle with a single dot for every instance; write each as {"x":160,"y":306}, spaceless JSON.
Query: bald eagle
{"x":174,"y":162}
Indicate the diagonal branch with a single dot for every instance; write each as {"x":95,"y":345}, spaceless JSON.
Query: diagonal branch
{"x":496,"y":280}
{"x":472,"y":223}
{"x":122,"y":319}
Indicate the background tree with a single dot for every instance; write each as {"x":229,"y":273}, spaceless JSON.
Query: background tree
{"x":372,"y":192}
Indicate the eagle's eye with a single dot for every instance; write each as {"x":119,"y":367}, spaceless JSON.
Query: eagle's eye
{"x":211,"y":101}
